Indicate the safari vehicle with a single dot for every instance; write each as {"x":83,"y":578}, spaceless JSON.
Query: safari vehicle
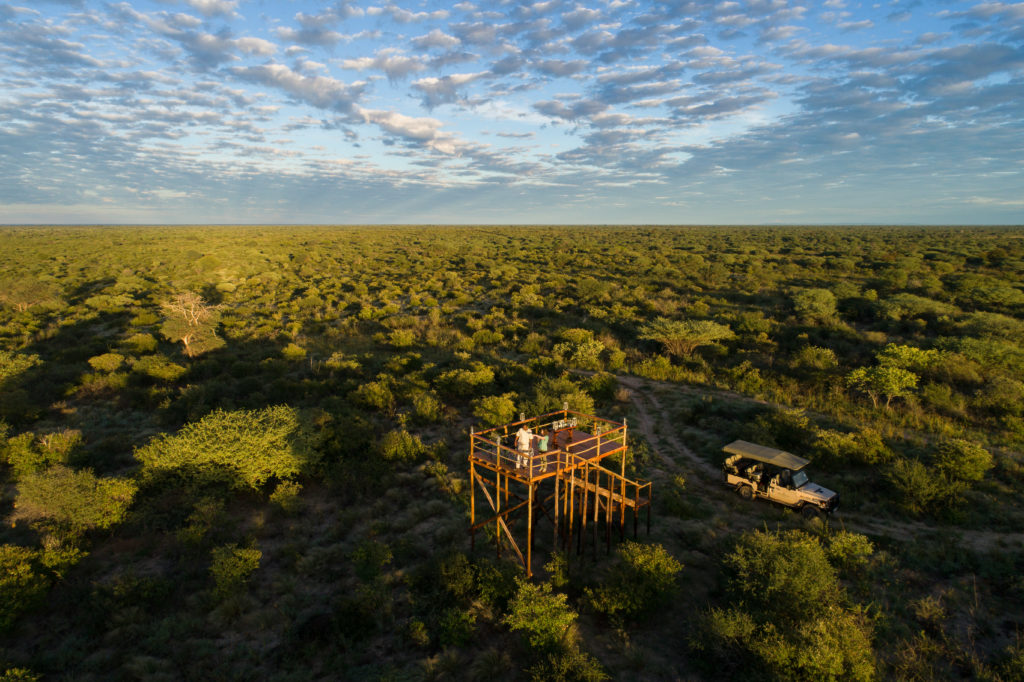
{"x":759,"y":471}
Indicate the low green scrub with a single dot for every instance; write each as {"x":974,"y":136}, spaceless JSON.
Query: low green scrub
{"x":787,"y":616}
{"x":232,"y":567}
{"x":641,"y":580}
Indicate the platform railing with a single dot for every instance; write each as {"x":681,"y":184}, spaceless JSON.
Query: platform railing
{"x":538,"y":463}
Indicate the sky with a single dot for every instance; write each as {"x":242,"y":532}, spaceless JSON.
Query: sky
{"x":611,"y":112}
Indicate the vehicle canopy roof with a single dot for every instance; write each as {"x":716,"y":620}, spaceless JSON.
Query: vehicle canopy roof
{"x":760,"y":453}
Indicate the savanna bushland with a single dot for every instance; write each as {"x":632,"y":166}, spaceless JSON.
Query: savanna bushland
{"x":240,"y":452}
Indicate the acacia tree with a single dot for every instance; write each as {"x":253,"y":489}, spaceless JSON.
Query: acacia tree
{"x":192,"y":321}
{"x":21,"y":293}
{"x":892,"y":382}
{"x":244,"y":447}
{"x":682,"y":337}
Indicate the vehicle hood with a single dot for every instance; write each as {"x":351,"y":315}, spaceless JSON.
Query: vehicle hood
{"x":818,"y":491}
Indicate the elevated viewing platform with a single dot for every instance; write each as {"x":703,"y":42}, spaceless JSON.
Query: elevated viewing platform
{"x":574,"y":439}
{"x":557,"y":457}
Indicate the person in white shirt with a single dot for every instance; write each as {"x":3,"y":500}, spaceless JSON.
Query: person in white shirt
{"x":524,"y":441}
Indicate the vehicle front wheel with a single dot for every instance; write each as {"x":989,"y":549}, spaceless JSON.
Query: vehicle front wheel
{"x":810,"y":511}
{"x":746,"y":492}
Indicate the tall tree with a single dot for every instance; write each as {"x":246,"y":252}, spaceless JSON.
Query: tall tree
{"x":682,"y":337}
{"x":193,"y":321}
{"x":892,"y":382}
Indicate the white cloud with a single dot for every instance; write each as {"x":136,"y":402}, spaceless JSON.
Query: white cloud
{"x":322,"y":92}
{"x":212,"y":8}
{"x":435,"y":39}
{"x":437,"y":91}
{"x":256,"y":46}
{"x":390,"y":61}
{"x":422,"y":130}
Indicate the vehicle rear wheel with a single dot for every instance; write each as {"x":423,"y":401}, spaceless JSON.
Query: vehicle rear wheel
{"x":810,"y":511}
{"x":746,"y":492}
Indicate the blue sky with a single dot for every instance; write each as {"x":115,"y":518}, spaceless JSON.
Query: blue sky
{"x":764,"y":111}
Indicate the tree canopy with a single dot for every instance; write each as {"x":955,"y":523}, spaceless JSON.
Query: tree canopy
{"x":682,"y":337}
{"x":243,"y":447}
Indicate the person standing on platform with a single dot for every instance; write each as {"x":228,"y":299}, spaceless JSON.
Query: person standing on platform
{"x":524,"y":439}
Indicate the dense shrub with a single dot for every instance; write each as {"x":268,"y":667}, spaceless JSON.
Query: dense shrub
{"x":921,"y":488}
{"x":544,"y":617}
{"x":158,"y":367}
{"x":13,"y":364}
{"x":640,"y":581}
{"x":816,"y":305}
{"x":108,"y":362}
{"x":26,"y":453}
{"x":493,"y":410}
{"x":962,"y":460}
{"x":787,"y":617}
{"x":244,"y":447}
{"x":401,"y":446}
{"x":22,"y":582}
{"x":67,"y":503}
{"x":232,"y":566}
{"x":579,"y":349}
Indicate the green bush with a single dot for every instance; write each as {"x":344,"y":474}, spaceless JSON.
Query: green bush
{"x":402,"y":338}
{"x":641,"y":580}
{"x":68,"y":503}
{"x":787,"y":618}
{"x":921,"y":489}
{"x":286,"y":496}
{"x":159,"y":367}
{"x":962,"y":460}
{"x":816,"y":305}
{"x":244,"y":447}
{"x":493,"y":410}
{"x":142,"y":342}
{"x":466,"y":382}
{"x":21,"y":582}
{"x":426,"y":407}
{"x":232,"y":567}
{"x":659,"y":368}
{"x":13,"y":364}
{"x":27,"y":453}
{"x":579,"y":349}
{"x":784,"y":576}
{"x":815,"y":358}
{"x":370,"y":558}
{"x":293,"y":352}
{"x":108,"y":362}
{"x":377,"y":394}
{"x":401,"y":446}
{"x":569,"y":664}
{"x":207,"y":514}
{"x":544,"y":617}
{"x":457,"y":626}
{"x":849,"y":552}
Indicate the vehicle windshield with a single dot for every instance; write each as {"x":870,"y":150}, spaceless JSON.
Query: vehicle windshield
{"x":799,"y":478}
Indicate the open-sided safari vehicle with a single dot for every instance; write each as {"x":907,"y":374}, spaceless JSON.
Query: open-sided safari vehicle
{"x":759,"y":471}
